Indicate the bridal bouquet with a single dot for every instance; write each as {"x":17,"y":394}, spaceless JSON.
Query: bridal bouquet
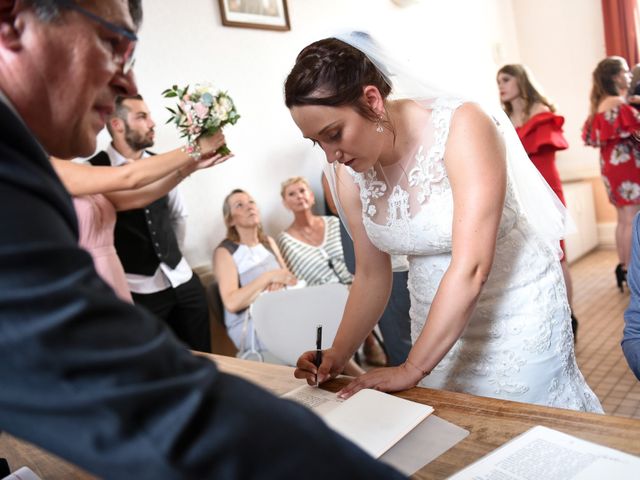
{"x":202,"y":111}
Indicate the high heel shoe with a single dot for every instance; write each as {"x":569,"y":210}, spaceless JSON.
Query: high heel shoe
{"x":621,"y":276}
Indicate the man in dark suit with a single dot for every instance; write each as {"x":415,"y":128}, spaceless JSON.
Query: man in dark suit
{"x":149,"y":240}
{"x":82,"y":374}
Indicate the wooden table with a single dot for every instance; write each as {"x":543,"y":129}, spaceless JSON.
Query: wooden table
{"x":490,"y":422}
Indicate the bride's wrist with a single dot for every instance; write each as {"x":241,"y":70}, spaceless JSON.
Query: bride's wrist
{"x":411,"y":366}
{"x":340,"y":355}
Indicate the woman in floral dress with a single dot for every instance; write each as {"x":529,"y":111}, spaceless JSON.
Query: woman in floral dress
{"x":612,"y":126}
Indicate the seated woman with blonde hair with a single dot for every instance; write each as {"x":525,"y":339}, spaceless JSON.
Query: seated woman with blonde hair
{"x":246,"y":263}
{"x":311,"y":245}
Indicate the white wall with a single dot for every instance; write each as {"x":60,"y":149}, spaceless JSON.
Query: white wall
{"x":562,"y":41}
{"x":458,"y":41}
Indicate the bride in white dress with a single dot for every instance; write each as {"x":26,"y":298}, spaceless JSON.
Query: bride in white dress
{"x":437,"y":179}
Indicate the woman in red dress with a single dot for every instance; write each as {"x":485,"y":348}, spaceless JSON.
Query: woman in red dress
{"x":540,"y":131}
{"x":612,"y":126}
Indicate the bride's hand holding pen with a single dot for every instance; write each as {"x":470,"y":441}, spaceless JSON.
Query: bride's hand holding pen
{"x":332,"y":365}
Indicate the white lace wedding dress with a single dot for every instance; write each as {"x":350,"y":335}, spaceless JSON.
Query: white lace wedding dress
{"x":518,"y":343}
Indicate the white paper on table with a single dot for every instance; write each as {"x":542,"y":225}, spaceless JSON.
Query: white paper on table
{"x":544,"y":453}
{"x":373,"y":420}
{"x":314,"y":398}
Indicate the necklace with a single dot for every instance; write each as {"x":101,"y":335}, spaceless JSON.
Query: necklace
{"x":312,"y":236}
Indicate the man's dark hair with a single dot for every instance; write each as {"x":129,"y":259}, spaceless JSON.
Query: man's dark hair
{"x":48,"y":10}
{"x":120,"y":109}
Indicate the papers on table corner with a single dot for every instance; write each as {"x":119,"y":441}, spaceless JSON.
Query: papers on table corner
{"x":544,"y":453}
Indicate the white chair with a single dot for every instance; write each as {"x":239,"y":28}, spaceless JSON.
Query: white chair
{"x":286,"y":320}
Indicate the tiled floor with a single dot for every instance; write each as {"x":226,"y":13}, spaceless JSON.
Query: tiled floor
{"x":599,"y":307}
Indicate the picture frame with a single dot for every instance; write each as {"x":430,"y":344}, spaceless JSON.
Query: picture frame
{"x":264,"y":14}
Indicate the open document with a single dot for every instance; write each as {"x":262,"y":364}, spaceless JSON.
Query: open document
{"x":543,"y":453}
{"x":373,"y":420}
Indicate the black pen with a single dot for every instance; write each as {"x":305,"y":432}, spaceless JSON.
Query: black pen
{"x":318,"y":360}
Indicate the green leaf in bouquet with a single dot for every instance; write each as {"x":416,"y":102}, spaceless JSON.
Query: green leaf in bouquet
{"x":223,"y":150}
{"x":207,"y":132}
{"x":233,"y":118}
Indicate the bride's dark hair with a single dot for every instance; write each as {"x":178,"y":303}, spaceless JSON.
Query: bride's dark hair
{"x":331,"y":72}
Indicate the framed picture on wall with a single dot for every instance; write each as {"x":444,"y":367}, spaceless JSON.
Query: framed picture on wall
{"x":267,"y":14}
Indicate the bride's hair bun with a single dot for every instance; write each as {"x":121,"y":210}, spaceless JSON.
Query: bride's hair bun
{"x":333,"y":73}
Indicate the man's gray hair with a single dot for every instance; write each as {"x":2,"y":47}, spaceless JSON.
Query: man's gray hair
{"x":48,"y":10}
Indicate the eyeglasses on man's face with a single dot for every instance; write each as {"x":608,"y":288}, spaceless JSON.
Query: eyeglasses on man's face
{"x":124,"y":49}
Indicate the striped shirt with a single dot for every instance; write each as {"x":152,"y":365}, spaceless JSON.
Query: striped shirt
{"x":317,"y":265}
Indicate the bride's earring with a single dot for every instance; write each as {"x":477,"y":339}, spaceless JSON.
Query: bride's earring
{"x":379,"y":127}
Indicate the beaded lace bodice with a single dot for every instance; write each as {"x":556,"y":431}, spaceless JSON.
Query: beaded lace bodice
{"x":414,"y":216}
{"x":518,"y":343}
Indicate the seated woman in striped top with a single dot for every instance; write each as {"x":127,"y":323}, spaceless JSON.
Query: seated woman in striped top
{"x":312,"y":249}
{"x":311,"y":246}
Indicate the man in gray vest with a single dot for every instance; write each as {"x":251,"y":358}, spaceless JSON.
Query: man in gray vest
{"x":148,"y":240}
